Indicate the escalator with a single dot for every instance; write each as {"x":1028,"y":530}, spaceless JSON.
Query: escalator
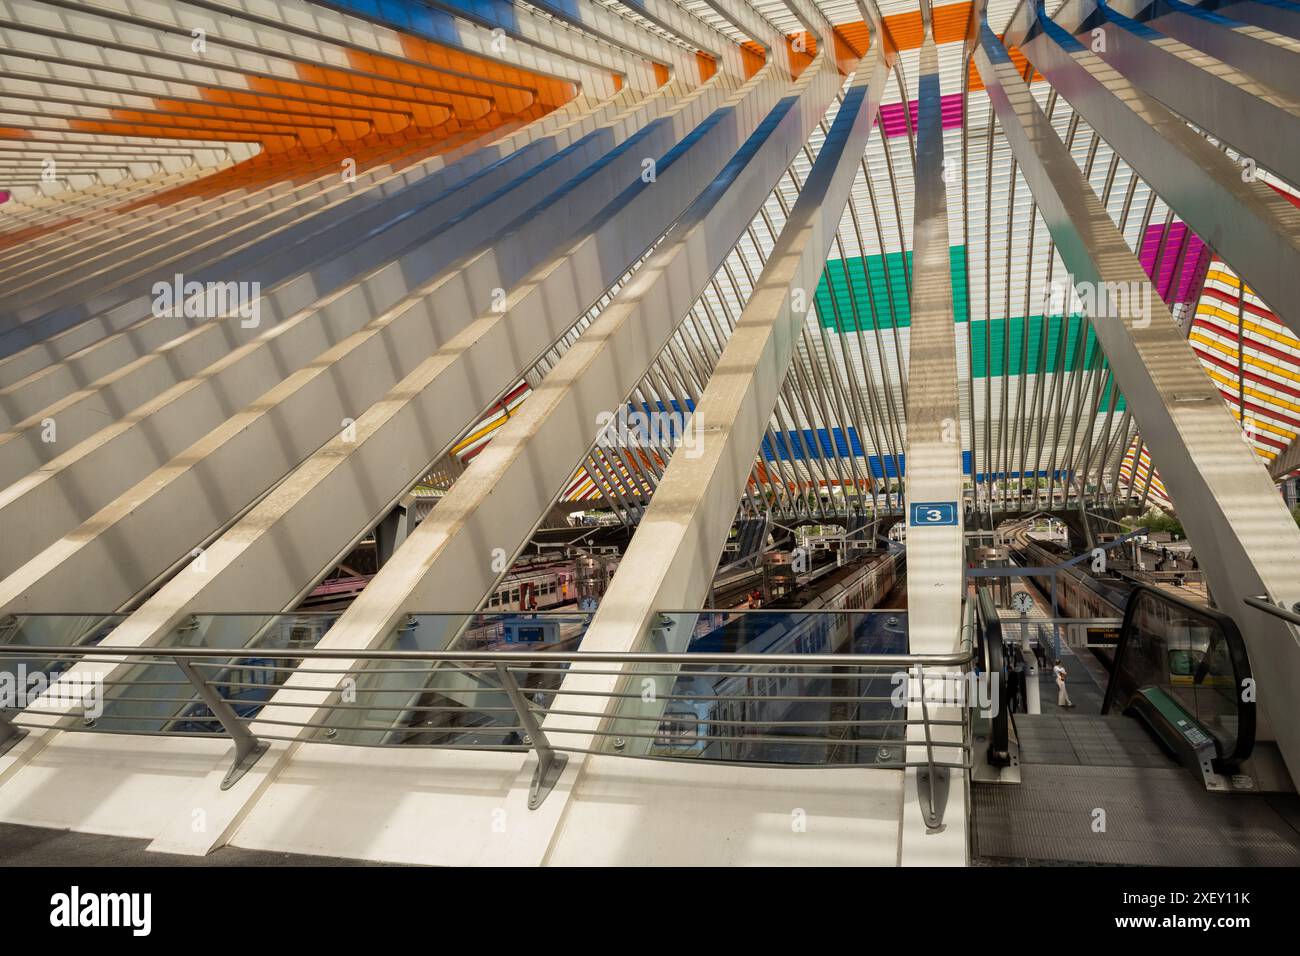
{"x":1182,"y":670}
{"x":1106,"y":782}
{"x":989,"y":660}
{"x":1179,"y":668}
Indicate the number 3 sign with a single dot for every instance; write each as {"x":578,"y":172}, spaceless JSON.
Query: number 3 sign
{"x":934,"y":513}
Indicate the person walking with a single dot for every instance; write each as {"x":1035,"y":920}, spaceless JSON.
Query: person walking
{"x":1018,"y":685}
{"x":1062,"y":695}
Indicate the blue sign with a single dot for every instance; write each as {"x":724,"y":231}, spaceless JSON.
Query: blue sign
{"x":934,"y":513}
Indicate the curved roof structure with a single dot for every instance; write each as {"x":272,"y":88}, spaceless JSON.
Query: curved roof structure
{"x":268,"y":270}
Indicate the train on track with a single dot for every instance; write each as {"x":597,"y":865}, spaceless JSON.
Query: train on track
{"x":1081,"y":593}
{"x":540,"y":583}
{"x":549,"y":585}
{"x":725,"y":706}
{"x":1078,"y":592}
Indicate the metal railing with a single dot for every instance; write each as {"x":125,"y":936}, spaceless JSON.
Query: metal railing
{"x":516,"y":700}
{"x":1188,"y":580}
{"x":990,"y":648}
{"x":1207,"y":688}
{"x":1262,"y":602}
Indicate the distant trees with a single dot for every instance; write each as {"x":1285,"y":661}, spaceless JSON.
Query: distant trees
{"x":1157,"y":520}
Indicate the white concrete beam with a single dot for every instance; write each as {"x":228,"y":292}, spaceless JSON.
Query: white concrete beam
{"x":1222,"y":490}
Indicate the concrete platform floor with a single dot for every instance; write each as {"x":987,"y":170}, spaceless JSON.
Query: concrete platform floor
{"x":39,"y":846}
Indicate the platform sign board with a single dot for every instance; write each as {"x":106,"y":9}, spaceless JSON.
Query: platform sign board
{"x":1103,"y":636}
{"x":933,"y":513}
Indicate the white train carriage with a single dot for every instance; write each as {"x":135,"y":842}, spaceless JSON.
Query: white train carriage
{"x":728,"y":705}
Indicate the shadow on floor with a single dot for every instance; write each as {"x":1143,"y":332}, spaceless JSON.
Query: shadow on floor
{"x":39,"y":846}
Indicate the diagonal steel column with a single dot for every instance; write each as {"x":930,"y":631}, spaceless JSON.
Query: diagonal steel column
{"x":933,"y":817}
{"x":815,"y":22}
{"x":308,"y":408}
{"x":1258,"y":51}
{"x":1286,"y":462}
{"x":680,"y":21}
{"x":594,"y":20}
{"x":934,"y":480}
{"x":1257,"y":121}
{"x":1223,"y":492}
{"x":444,"y":565}
{"x":749,"y":21}
{"x":1250,"y":226}
{"x":321,"y":510}
{"x":671,"y":558}
{"x":1279,"y":16}
{"x":545,"y":428}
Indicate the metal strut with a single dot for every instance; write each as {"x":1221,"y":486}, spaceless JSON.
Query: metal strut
{"x":247,"y":747}
{"x":549,"y":763}
{"x":932,"y":782}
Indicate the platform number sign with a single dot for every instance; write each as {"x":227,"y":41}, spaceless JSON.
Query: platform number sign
{"x":934,"y":513}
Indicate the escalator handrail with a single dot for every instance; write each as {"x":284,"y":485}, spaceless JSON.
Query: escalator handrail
{"x":1237,"y":656}
{"x":990,"y":634}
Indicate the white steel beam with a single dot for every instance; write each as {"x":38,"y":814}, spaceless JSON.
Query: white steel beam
{"x":143,"y":532}
{"x":934,"y":826}
{"x":1265,"y":52}
{"x":1256,"y":231}
{"x":1225,"y":498}
{"x":680,"y":538}
{"x":1279,"y":16}
{"x":1217,"y":96}
{"x":35,"y":347}
{"x":164,"y":419}
{"x":319,"y":510}
{"x":819,"y":223}
{"x":357,"y":233}
{"x":365,"y":622}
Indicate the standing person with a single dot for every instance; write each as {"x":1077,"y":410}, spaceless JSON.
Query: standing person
{"x":1062,"y":696}
{"x":1018,"y":685}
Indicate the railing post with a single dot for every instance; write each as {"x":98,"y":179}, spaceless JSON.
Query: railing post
{"x":549,"y":764}
{"x":931,"y":781}
{"x":247,"y":747}
{"x":10,"y":733}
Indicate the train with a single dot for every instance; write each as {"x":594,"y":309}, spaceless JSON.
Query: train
{"x":723,"y":703}
{"x":1081,"y":594}
{"x":537,"y":583}
{"x":549,"y":585}
{"x":1078,"y":593}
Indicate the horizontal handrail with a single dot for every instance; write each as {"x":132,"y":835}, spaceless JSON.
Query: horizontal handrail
{"x":788,"y":612}
{"x":1124,"y":685}
{"x":1264,"y":604}
{"x":990,"y":631}
{"x":233,"y":687}
{"x":611,"y":657}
